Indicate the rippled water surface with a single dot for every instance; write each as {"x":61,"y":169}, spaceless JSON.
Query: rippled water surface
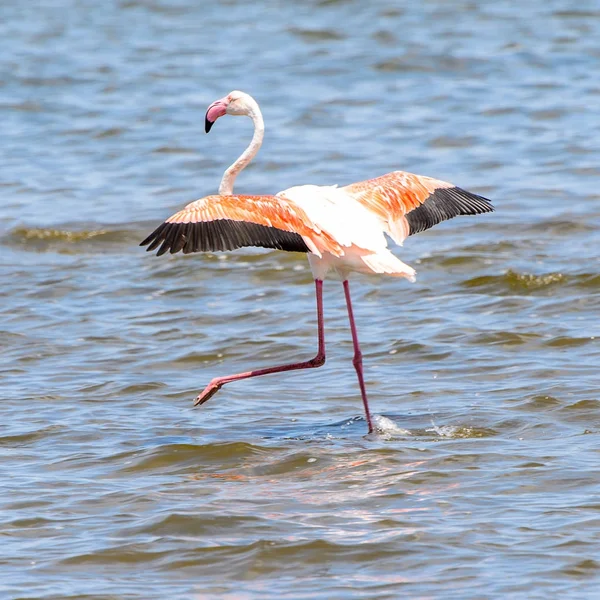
{"x":483,"y":480}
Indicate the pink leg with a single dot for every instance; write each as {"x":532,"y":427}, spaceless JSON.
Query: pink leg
{"x":357,"y":360}
{"x":218,"y":382}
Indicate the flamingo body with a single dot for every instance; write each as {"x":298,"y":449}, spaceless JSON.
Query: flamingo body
{"x":356,"y":229}
{"x":341,"y":229}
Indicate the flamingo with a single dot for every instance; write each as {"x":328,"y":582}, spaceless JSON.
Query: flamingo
{"x":341,"y":229}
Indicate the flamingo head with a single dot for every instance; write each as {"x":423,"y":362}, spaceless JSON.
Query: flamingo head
{"x":235,"y":103}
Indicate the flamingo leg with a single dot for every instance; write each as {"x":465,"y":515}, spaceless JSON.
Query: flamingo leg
{"x":218,"y":382}
{"x":357,"y":360}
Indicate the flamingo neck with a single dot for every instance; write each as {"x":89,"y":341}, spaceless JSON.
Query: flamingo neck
{"x":226,"y":187}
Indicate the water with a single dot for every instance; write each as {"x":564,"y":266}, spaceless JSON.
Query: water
{"x":483,"y":482}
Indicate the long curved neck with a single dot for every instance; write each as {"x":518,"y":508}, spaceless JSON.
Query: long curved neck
{"x":226,"y":187}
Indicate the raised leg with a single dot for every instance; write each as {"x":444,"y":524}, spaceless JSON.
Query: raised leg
{"x":218,"y":382}
{"x":357,"y":360}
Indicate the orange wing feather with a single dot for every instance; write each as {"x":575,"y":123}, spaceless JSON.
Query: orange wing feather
{"x":409,"y":203}
{"x":262,"y":221}
{"x":395,"y":194}
{"x":271,"y":211}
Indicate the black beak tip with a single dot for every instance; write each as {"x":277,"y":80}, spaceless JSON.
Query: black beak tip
{"x":207,"y":125}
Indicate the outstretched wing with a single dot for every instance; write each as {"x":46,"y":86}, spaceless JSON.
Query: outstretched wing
{"x":410,"y":203}
{"x":217,"y":223}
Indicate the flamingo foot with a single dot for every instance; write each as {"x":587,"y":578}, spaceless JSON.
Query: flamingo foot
{"x":209,"y":391}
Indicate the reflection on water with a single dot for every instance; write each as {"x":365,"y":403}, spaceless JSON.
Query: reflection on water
{"x":483,"y":375}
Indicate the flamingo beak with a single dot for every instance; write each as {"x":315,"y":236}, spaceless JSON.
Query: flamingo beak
{"x":215,"y":110}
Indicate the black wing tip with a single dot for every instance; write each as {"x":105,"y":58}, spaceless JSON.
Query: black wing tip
{"x":480,"y":203}
{"x":155,"y":238}
{"x":444,"y":204}
{"x":220,"y":235}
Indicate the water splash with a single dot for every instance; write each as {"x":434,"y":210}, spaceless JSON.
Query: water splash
{"x":386,"y":428}
{"x":444,"y":430}
{"x":460,"y":432}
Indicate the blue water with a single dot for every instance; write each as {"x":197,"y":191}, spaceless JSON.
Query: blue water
{"x":483,"y":375}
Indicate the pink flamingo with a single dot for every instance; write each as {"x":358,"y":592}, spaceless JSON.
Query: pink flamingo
{"x":341,"y":229}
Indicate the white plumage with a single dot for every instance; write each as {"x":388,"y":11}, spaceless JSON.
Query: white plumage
{"x":353,"y":226}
